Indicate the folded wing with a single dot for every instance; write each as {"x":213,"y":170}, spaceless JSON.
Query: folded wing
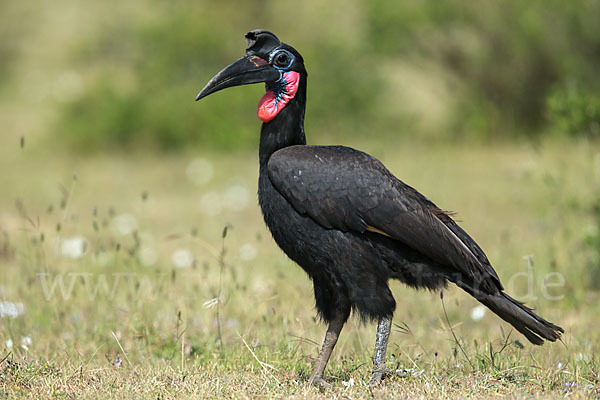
{"x":345,"y":189}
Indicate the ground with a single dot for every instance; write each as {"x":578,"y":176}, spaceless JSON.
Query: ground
{"x":117,"y":280}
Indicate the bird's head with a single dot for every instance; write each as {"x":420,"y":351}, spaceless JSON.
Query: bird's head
{"x":266,"y":60}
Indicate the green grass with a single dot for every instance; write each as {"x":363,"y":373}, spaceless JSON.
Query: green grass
{"x":151,"y":331}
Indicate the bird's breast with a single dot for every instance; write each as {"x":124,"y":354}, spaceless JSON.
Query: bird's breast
{"x":302,"y":239}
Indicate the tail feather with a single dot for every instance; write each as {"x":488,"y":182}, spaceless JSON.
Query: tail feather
{"x":531,"y":325}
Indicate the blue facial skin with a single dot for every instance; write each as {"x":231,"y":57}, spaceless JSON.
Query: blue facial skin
{"x":279,"y":87}
{"x":281,"y":67}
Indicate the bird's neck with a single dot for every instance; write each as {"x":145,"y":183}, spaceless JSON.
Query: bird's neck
{"x":287,"y":128}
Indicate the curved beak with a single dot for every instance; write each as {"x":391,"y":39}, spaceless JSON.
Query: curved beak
{"x":248,"y":69}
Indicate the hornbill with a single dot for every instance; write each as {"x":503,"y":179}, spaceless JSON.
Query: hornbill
{"x":348,"y":221}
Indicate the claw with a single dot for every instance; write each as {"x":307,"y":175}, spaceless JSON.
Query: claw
{"x":319,"y":383}
{"x":378,"y":375}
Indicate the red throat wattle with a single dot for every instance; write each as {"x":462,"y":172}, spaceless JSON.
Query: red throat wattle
{"x":275,"y":100}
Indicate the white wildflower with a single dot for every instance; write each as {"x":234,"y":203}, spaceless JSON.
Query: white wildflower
{"x":210,"y":204}
{"x":13,"y":310}
{"x":26,"y":342}
{"x":348,"y":384}
{"x":148,"y":256}
{"x":248,"y":252}
{"x":409,"y":371}
{"x":477,"y":313}
{"x":124,"y":224}
{"x":73,"y":247}
{"x":182,"y":258}
{"x":103,"y":258}
{"x":236,"y":197}
{"x":199,"y":171}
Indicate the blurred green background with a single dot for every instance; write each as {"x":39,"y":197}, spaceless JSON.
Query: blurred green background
{"x":108,"y":167}
{"x":123,"y":75}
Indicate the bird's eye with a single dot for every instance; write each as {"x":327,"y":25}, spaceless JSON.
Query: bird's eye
{"x":282,"y":59}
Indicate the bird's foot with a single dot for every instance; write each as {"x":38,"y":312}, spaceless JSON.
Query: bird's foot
{"x":378,"y":375}
{"x":319,"y":383}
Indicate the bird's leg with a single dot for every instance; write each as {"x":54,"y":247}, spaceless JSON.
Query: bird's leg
{"x":384,"y":327}
{"x":331,"y":337}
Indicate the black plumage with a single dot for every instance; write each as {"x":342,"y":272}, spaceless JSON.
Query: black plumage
{"x":348,"y":221}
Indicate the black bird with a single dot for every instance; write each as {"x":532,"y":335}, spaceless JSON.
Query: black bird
{"x":348,"y":221}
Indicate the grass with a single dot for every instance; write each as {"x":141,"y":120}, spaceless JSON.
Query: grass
{"x":157,"y":302}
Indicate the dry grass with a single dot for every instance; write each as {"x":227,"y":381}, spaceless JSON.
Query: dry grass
{"x":134,"y":325}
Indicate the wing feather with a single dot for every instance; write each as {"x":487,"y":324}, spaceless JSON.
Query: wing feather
{"x":345,"y":189}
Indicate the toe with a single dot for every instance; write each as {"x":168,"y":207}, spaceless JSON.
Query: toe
{"x":378,"y":375}
{"x":319,"y":383}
